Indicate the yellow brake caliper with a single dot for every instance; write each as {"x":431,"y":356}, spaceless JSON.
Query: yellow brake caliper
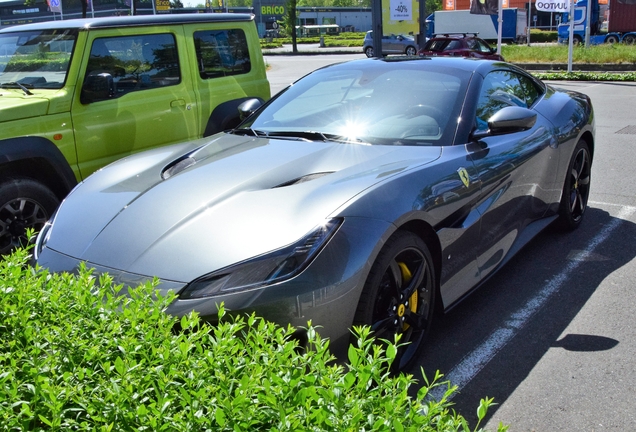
{"x":406,"y":278}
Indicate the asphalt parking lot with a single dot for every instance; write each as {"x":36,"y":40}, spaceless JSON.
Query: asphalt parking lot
{"x":552,"y":337}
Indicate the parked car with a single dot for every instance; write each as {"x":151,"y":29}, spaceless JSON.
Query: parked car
{"x":391,"y":44}
{"x":76,"y":95}
{"x":353,"y":197}
{"x":462,"y":45}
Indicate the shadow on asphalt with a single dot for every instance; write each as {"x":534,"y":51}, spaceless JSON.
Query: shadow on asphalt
{"x":465,"y":327}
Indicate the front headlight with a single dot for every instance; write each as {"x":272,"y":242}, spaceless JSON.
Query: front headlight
{"x":273,"y":267}
{"x":42,"y":238}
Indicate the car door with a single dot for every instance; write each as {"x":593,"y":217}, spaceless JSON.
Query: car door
{"x":517,"y":170}
{"x":390,"y":44}
{"x":151,"y":103}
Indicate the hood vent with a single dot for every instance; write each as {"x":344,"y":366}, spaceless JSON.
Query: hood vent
{"x":177,"y":166}
{"x":303,"y":179}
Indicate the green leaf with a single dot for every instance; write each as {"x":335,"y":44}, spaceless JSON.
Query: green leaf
{"x":219,"y":416}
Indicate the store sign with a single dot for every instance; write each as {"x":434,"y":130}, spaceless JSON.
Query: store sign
{"x":553,"y":5}
{"x":162,"y":5}
{"x":55,"y":5}
{"x":273,"y":10}
{"x":401,"y":10}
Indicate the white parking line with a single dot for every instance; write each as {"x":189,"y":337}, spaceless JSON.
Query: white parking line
{"x":475,"y":361}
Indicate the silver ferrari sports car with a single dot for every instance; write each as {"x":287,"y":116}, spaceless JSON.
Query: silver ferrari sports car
{"x":367,"y":192}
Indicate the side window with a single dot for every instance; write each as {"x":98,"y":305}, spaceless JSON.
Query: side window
{"x":136,"y":62}
{"x":499,"y":89}
{"x":481,"y":47}
{"x":453,"y":45}
{"x":222,"y":53}
{"x":531,"y":90}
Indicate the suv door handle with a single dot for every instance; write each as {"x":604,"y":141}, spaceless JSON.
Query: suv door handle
{"x":177,"y":103}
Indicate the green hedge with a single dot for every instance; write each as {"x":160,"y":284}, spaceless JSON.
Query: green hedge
{"x":585,"y":76}
{"x":75,"y":355}
{"x":543,"y":36}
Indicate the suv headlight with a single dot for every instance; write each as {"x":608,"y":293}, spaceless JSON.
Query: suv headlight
{"x":267,"y":269}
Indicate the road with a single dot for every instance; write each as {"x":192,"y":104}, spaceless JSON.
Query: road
{"x":552,"y":337}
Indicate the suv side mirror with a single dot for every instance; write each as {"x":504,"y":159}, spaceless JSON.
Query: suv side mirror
{"x":97,"y":87}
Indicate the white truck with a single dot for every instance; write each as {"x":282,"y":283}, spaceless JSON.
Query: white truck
{"x":514,"y":25}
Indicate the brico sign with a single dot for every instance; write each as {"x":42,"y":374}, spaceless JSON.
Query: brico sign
{"x":273,"y":10}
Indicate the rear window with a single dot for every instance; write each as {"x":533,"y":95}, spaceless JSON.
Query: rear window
{"x":222,"y":53}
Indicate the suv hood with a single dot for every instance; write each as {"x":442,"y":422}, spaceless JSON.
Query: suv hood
{"x":242,"y":197}
{"x":14,"y":105}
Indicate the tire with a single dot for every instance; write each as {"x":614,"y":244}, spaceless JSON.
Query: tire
{"x":611,"y":39}
{"x":629,"y":39}
{"x":576,"y":189}
{"x":369,"y":51}
{"x":399,"y":295}
{"x":410,"y":51}
{"x":577,"y":40}
{"x":24,"y":203}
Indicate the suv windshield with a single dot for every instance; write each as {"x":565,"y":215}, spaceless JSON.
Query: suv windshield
{"x":36,"y":59}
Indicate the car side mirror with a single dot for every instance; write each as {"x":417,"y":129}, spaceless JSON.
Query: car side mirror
{"x":97,"y":88}
{"x":248,"y":107}
{"x":509,"y":119}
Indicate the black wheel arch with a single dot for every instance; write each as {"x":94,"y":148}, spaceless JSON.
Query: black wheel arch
{"x":428,"y":235}
{"x":39,"y":159}
{"x":589,"y":139}
{"x":225,"y":116}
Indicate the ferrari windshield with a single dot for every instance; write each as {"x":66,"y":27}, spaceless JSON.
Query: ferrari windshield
{"x":35,"y":59}
{"x":372,"y":102}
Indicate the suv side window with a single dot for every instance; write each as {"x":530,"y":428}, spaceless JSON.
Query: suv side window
{"x":222,"y":53}
{"x":136,"y":62}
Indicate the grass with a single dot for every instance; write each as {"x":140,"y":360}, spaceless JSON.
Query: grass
{"x":598,"y":54}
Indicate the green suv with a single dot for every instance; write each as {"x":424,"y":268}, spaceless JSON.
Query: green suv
{"x":76,"y":95}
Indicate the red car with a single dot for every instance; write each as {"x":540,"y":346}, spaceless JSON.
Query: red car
{"x":461,"y":45}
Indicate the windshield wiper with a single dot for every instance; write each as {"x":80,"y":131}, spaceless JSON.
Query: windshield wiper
{"x":14,"y":84}
{"x":303,"y":135}
{"x":248,"y":131}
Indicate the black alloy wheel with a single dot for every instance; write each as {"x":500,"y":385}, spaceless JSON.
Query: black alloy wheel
{"x":399,"y":295}
{"x":576,"y":189}
{"x":24,"y":203}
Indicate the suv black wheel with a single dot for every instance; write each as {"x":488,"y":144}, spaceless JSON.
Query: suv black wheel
{"x":24,"y":203}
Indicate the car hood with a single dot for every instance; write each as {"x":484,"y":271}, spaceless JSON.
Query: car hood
{"x":15,"y":105}
{"x":242,"y":197}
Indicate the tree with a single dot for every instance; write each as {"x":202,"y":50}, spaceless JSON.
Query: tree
{"x":176,"y":4}
{"x":289,"y":22}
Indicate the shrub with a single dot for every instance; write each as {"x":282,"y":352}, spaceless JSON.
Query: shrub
{"x":77,"y":355}
{"x":537,"y":35}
